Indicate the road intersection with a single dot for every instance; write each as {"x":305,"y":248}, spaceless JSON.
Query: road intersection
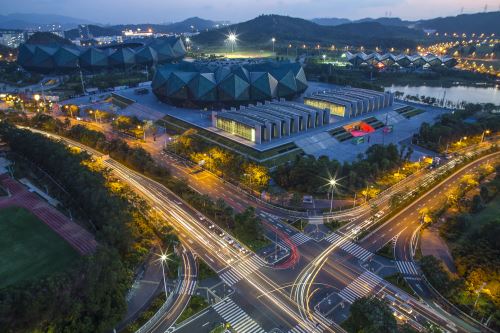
{"x":289,"y":296}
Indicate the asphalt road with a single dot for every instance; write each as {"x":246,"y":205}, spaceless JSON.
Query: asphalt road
{"x":285,"y":295}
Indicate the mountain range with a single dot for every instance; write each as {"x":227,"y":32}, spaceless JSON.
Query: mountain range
{"x":192,"y":24}
{"x":33,"y":21}
{"x":468,"y":23}
{"x":294,"y":30}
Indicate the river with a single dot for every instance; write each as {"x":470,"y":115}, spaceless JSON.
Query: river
{"x":455,"y":94}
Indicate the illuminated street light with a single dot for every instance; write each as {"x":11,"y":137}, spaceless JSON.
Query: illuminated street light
{"x":333,"y":183}
{"x":485,"y":132}
{"x":36,"y":97}
{"x":324,"y":57}
{"x":274,"y":41}
{"x":163,"y":258}
{"x":232,"y":38}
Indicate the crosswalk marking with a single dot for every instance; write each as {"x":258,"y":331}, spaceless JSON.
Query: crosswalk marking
{"x":356,"y":251}
{"x":349,"y":247}
{"x":407,"y":267}
{"x":238,"y":318}
{"x":333,"y":238}
{"x":299,"y":329}
{"x":241,"y":269}
{"x":188,"y":288}
{"x":413,"y":278}
{"x":360,"y":287}
{"x":299,"y":238}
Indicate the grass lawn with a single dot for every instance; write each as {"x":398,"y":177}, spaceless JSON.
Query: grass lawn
{"x":387,"y":251}
{"x":29,"y":249}
{"x":196,"y":304}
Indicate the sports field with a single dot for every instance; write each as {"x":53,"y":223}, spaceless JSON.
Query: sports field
{"x":242,"y":53}
{"x":29,"y":249}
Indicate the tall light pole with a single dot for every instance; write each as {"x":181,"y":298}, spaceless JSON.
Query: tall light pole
{"x":484,"y":132}
{"x":163,"y":257}
{"x":232,"y":40}
{"x":332,"y":182}
{"x":274,"y":41}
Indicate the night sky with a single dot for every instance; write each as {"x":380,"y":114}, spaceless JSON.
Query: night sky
{"x":163,"y":11}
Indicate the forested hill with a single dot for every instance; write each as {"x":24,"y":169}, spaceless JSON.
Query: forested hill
{"x":287,"y":29}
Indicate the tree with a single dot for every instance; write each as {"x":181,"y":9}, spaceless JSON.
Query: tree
{"x":395,"y":200}
{"x":484,"y":193}
{"x":370,"y":315}
{"x":476,"y":204}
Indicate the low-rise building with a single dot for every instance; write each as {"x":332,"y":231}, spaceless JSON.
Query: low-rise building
{"x":349,"y":102}
{"x":269,"y":121}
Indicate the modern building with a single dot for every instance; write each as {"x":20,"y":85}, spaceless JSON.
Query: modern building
{"x":389,"y":60}
{"x":269,"y":121}
{"x":64,"y":58}
{"x":11,"y":38}
{"x":227,"y":83}
{"x":349,"y":102}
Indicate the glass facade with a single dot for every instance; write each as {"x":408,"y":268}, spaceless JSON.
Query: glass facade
{"x":236,"y":128}
{"x":335,"y":109}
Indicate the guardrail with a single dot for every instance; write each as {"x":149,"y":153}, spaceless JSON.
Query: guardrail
{"x":453,"y":306}
{"x":163,"y":309}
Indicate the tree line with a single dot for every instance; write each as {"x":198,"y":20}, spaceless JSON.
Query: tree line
{"x":307,"y":174}
{"x":90,"y":295}
{"x":473,"y":120}
{"x":473,"y":239}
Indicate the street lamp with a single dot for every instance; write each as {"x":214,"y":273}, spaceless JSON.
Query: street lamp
{"x":232,"y":40}
{"x":188,"y":40}
{"x":273,"y":40}
{"x":163,"y":258}
{"x":324,"y":57}
{"x":332,"y":183}
{"x":484,"y":132}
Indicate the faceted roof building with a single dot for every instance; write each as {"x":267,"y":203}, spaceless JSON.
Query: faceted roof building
{"x":389,"y":60}
{"x":66,"y":58}
{"x":195,"y":84}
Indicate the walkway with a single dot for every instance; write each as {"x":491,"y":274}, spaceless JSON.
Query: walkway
{"x":432,"y":244}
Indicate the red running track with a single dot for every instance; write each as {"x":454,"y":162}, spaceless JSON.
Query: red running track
{"x":79,"y":238}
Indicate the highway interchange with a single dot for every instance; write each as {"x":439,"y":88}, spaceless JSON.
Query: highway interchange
{"x":337,"y":269}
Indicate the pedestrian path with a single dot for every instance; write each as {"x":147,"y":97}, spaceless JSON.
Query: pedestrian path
{"x":297,"y":239}
{"x":349,"y":247}
{"x":300,"y":238}
{"x":356,"y":251}
{"x":240,"y":321}
{"x":407,"y":267}
{"x":334,"y":238}
{"x":300,"y":329}
{"x":241,"y":269}
{"x":360,"y":287}
{"x":188,"y":287}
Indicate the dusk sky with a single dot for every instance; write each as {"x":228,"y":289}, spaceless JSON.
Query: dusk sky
{"x":158,"y":11}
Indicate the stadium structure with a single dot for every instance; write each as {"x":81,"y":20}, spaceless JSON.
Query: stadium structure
{"x":349,"y":102}
{"x":389,"y":60}
{"x":227,"y":83}
{"x":66,"y":58}
{"x":272,"y":120}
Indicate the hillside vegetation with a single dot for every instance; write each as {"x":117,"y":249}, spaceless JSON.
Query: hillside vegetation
{"x":285,"y":29}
